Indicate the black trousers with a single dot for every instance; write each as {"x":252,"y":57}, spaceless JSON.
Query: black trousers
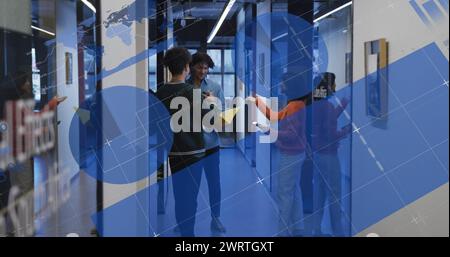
{"x":211,"y":167}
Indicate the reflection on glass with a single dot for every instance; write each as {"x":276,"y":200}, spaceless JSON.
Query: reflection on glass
{"x":152,"y":64}
{"x":152,"y":61}
{"x":326,"y":141}
{"x":216,"y":56}
{"x":228,"y":61}
{"x":152,"y":82}
{"x":215,"y":78}
{"x":228,"y":85}
{"x":36,"y":77}
{"x":331,"y":127}
{"x":90,"y":80}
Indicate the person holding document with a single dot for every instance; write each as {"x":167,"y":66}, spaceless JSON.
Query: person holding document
{"x":291,"y":144}
{"x":200,"y":65}
{"x":187,"y":152}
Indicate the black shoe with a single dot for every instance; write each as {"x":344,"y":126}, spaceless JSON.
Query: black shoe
{"x":217,"y":226}
{"x":94,"y":232}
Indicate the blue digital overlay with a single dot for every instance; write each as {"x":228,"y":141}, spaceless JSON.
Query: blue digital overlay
{"x":392,"y":166}
{"x":116,"y":141}
{"x":292,"y":44}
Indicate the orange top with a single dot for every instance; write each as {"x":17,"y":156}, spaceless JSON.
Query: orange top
{"x":52,"y":104}
{"x":292,"y":108}
{"x":291,"y":134}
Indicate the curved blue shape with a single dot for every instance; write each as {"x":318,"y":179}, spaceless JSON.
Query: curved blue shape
{"x":121,"y":142}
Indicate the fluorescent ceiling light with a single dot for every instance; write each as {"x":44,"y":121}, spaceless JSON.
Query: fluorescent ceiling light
{"x":333,"y":11}
{"x":43,"y":30}
{"x":221,"y":20}
{"x":88,"y":4}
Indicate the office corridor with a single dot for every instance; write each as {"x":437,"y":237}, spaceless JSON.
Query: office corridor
{"x":247,"y":208}
{"x":325,"y":116}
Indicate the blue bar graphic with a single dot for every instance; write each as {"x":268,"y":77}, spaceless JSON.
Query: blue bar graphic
{"x":412,"y":172}
{"x":419,"y":12}
{"x":444,"y":4}
{"x":434,"y":11}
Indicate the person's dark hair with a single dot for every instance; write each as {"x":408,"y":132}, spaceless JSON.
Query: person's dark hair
{"x":20,"y":78}
{"x":200,"y":57}
{"x":323,"y":83}
{"x":176,"y":59}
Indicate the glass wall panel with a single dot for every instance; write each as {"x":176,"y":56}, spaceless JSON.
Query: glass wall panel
{"x":332,"y":125}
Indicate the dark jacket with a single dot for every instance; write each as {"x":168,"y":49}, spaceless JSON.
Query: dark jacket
{"x":326,"y":134}
{"x":184,"y":143}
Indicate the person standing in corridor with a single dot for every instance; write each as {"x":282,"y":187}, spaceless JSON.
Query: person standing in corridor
{"x":201,"y":63}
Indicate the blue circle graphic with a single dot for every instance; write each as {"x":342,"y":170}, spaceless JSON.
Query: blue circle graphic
{"x":284,"y":45}
{"x":121,"y":135}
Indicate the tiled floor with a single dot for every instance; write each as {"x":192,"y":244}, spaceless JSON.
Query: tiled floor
{"x":74,"y":216}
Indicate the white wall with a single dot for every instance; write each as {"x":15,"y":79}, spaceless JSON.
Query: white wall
{"x":135,"y":75}
{"x":116,"y":51}
{"x":396,"y":21}
{"x":434,"y":205}
{"x":66,"y":38}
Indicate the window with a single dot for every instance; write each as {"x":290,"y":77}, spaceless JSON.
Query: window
{"x":36,"y":77}
{"x":228,"y":61}
{"x":229,"y":85}
{"x":217,"y":78}
{"x":216,"y":56}
{"x":223,"y":73}
{"x":152,"y":82}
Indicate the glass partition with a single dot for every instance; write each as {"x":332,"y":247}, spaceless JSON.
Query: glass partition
{"x":331,"y":126}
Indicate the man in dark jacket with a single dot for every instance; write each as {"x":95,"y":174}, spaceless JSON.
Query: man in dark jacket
{"x":188,"y":145}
